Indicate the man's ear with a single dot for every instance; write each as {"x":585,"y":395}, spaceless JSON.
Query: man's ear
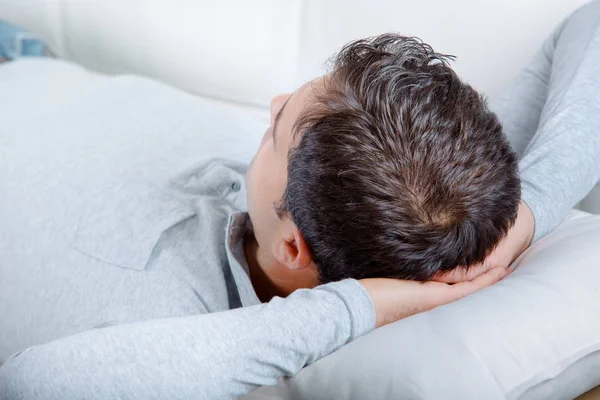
{"x":291,"y":250}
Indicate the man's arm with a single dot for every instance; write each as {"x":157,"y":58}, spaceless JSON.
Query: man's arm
{"x":222,"y":355}
{"x":213,"y":356}
{"x":561,"y":163}
{"x":551,"y":116}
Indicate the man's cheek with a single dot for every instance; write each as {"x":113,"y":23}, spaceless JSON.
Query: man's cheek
{"x":248,"y":178}
{"x":254,"y":161}
{"x":265,"y":137}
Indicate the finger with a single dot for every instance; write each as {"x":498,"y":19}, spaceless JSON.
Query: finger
{"x":462,"y":289}
{"x":462,"y":274}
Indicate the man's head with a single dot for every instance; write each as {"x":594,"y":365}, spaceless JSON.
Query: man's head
{"x":389,"y":166}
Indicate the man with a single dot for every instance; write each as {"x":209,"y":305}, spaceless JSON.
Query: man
{"x":389,"y":167}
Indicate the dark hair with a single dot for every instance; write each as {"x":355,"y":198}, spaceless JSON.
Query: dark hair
{"x":401,"y":170}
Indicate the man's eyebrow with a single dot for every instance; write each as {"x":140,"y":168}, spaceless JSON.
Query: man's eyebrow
{"x":277,"y":117}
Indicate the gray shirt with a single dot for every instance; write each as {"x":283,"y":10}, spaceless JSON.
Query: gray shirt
{"x":122,"y":271}
{"x":173,"y":273}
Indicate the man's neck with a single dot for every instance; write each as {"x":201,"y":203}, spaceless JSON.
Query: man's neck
{"x":263,"y":286}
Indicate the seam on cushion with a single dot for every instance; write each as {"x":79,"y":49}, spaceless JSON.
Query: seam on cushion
{"x":558,"y":369}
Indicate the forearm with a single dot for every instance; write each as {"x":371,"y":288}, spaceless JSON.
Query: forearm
{"x":558,"y":174}
{"x":214,"y":356}
{"x":562,"y":162}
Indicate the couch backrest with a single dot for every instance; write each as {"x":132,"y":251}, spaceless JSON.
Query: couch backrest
{"x":246,"y":51}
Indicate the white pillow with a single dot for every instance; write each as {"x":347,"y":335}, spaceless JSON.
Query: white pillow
{"x":534,"y":335}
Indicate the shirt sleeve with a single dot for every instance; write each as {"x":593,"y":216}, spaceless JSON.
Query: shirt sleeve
{"x":213,"y":356}
{"x":561,"y":163}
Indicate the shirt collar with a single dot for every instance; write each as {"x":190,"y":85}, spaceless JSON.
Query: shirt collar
{"x":237,"y":227}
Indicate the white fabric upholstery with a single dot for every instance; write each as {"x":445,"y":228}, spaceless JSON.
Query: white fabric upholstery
{"x":246,"y":52}
{"x":243,"y":53}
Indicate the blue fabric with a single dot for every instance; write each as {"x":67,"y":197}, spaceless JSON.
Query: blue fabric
{"x":15,"y":42}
